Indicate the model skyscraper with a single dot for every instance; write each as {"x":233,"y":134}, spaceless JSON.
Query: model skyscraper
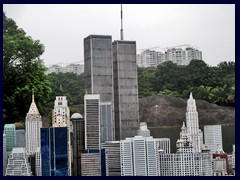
{"x":194,"y":133}
{"x":126,"y":103}
{"x":99,"y":79}
{"x":33,"y":124}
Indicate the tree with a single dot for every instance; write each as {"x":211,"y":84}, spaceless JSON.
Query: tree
{"x":145,"y":79}
{"x":213,"y":84}
{"x":72,"y":87}
{"x":23,"y":70}
{"x":165,"y":76}
{"x":198,"y":73}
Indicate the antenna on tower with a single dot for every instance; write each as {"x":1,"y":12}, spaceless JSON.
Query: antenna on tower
{"x":121,"y":31}
{"x":32,"y":94}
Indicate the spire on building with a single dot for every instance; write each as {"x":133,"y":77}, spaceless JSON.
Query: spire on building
{"x":183,"y":126}
{"x":190,"y":96}
{"x":121,"y":31}
{"x":32,"y":95}
{"x":33,"y":108}
{"x":194,"y":133}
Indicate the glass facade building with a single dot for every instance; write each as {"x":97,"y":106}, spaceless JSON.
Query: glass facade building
{"x":54,"y":151}
{"x":10,"y":131}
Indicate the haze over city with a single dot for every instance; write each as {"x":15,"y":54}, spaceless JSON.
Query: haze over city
{"x":61,"y":28}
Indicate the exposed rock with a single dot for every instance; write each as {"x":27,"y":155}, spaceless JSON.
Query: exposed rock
{"x":161,"y":110}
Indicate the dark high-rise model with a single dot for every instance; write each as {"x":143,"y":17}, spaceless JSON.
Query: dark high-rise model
{"x":125,"y":89}
{"x":99,"y":79}
{"x":98,"y":66}
{"x":78,"y":142}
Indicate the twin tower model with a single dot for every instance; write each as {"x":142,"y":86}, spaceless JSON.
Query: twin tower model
{"x":111,"y":71}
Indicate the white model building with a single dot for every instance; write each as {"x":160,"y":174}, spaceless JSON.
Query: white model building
{"x":194,"y":133}
{"x":18,"y":164}
{"x":139,"y":156}
{"x":33,"y":124}
{"x":213,"y":137}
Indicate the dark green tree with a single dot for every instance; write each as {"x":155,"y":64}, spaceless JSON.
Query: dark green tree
{"x":214,"y":84}
{"x":145,"y":81}
{"x":197,"y":73}
{"x":23,"y":70}
{"x":72,"y":86}
{"x":165,"y":77}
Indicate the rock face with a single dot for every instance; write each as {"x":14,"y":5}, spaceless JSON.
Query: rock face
{"x":161,"y":110}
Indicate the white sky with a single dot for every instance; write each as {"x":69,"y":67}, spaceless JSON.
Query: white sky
{"x":61,"y":28}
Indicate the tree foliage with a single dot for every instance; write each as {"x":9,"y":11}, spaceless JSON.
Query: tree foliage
{"x":23,"y":70}
{"x":214,"y":84}
{"x":72,"y":86}
{"x":145,"y":79}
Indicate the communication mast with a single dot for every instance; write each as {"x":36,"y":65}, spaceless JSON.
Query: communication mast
{"x":121,"y":31}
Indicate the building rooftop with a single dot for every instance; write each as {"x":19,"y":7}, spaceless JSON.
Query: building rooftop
{"x":9,"y":126}
{"x":18,"y":150}
{"x":76,"y":116}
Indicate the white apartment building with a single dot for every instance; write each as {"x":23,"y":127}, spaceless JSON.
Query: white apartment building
{"x":71,"y":68}
{"x":150,"y":58}
{"x":213,"y":137}
{"x":75,"y":68}
{"x":18,"y":164}
{"x":177,"y":56}
{"x":139,"y":156}
{"x":192,"y":53}
{"x":33,"y":124}
{"x":55,"y":69}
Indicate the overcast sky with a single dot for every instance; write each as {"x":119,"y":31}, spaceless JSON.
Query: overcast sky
{"x":61,"y":28}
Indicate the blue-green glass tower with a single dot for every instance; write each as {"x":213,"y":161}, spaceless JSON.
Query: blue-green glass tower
{"x":10,"y":131}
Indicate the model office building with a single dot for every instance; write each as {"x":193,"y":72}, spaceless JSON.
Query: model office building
{"x":33,"y":124}
{"x":99,"y":79}
{"x":111,"y":71}
{"x":213,"y":137}
{"x":10,"y":131}
{"x":18,"y":164}
{"x":78,"y":142}
{"x":54,"y":151}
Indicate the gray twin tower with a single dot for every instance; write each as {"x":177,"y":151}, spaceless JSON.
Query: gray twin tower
{"x":111,"y":71}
